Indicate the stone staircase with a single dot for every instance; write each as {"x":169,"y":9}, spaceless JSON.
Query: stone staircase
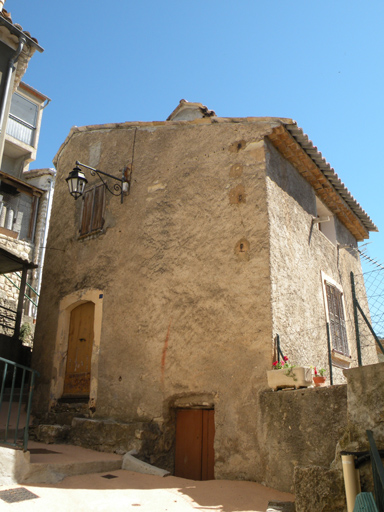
{"x":55,"y":426}
{"x":70,"y":422}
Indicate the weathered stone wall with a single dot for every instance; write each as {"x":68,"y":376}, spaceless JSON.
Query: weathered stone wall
{"x":320,"y":488}
{"x":8,"y":312}
{"x":299,"y":254}
{"x":22,"y":249}
{"x":300,"y":428}
{"x":184,"y":271}
{"x":366,"y":404}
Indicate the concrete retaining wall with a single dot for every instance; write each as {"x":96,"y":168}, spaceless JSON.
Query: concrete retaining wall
{"x":293,"y":425}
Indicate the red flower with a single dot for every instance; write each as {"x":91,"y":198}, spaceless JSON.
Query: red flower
{"x":315,"y":370}
{"x":274,"y":363}
{"x":285,"y":358}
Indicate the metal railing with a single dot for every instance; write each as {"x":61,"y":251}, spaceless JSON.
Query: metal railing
{"x":12,"y":401}
{"x":378,"y":472}
{"x":21,"y":130}
{"x":18,"y":287}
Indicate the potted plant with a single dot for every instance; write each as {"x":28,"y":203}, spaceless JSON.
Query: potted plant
{"x":319,"y":376}
{"x":287,"y":375}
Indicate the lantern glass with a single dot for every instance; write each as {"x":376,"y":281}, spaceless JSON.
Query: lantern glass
{"x":76,"y":182}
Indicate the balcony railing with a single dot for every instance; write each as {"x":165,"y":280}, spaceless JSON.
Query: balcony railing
{"x":21,"y":130}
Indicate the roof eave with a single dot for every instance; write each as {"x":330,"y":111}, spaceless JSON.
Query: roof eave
{"x":290,"y":140}
{"x":17,"y":32}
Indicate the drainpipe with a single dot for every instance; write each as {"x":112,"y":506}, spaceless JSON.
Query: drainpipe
{"x":11,"y":69}
{"x":351,"y":480}
{"x":43,"y":244}
{"x":46,"y":102}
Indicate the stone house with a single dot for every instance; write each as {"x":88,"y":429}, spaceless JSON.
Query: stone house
{"x":25,"y":196}
{"x":159,"y":314}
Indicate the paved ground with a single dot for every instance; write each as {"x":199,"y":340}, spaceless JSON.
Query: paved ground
{"x":128,"y":490}
{"x":144,"y":493}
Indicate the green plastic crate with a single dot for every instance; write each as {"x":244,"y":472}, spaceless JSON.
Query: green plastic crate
{"x":365,"y":503}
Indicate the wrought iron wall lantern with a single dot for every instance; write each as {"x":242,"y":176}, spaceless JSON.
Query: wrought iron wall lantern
{"x":77,"y":181}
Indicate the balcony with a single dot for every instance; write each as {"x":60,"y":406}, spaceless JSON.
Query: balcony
{"x":21,"y":130}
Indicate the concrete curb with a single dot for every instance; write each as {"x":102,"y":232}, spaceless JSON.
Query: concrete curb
{"x":130,"y":463}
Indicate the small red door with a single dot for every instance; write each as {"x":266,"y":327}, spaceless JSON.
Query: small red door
{"x":194,"y":454}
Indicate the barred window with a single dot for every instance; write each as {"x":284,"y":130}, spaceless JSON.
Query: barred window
{"x":92,"y":216}
{"x":337,"y":319}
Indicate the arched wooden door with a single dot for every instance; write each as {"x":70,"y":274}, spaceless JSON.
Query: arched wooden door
{"x":80,"y":340}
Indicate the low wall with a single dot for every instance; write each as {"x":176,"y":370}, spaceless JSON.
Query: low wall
{"x":13,"y":464}
{"x":317,"y":488}
{"x":300,"y":428}
{"x":366,"y":404}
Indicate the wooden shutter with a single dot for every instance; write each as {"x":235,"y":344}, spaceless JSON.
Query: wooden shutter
{"x":98,"y":208}
{"x":92,"y":218}
{"x":337,"y":319}
{"x":86,"y":217}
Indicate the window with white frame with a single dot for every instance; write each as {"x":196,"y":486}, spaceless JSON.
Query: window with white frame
{"x":333,"y":296}
{"x":327,"y":227}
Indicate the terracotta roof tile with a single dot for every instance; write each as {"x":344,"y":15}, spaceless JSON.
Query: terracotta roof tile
{"x":7,"y":17}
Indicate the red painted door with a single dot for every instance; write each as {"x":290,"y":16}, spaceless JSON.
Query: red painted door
{"x":194,"y":454}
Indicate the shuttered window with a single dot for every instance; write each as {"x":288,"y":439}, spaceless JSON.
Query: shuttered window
{"x":337,"y":319}
{"x":92,"y":217}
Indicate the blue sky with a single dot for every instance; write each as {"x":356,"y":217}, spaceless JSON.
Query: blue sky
{"x":318,"y":62}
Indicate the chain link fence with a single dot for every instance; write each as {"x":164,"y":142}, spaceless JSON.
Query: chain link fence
{"x":370,"y":284}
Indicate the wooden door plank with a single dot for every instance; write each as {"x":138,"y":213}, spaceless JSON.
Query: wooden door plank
{"x":188,"y":443}
{"x":80,"y":342}
{"x":208,"y":453}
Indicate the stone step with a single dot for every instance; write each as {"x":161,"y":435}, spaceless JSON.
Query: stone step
{"x":49,"y":464}
{"x":108,"y":436}
{"x":16,"y":395}
{"x":11,"y":434}
{"x":63,"y":413}
{"x":45,"y":473}
{"x":49,"y":434}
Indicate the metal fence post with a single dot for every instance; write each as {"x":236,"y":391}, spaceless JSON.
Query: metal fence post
{"x":358,"y":346}
{"x":329,"y":355}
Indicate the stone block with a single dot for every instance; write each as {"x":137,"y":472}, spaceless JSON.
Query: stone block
{"x":51,"y":434}
{"x":319,"y":488}
{"x":105,"y":436}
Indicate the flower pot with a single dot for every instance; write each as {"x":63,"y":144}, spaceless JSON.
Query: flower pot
{"x":319,"y":380}
{"x":298,"y":377}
